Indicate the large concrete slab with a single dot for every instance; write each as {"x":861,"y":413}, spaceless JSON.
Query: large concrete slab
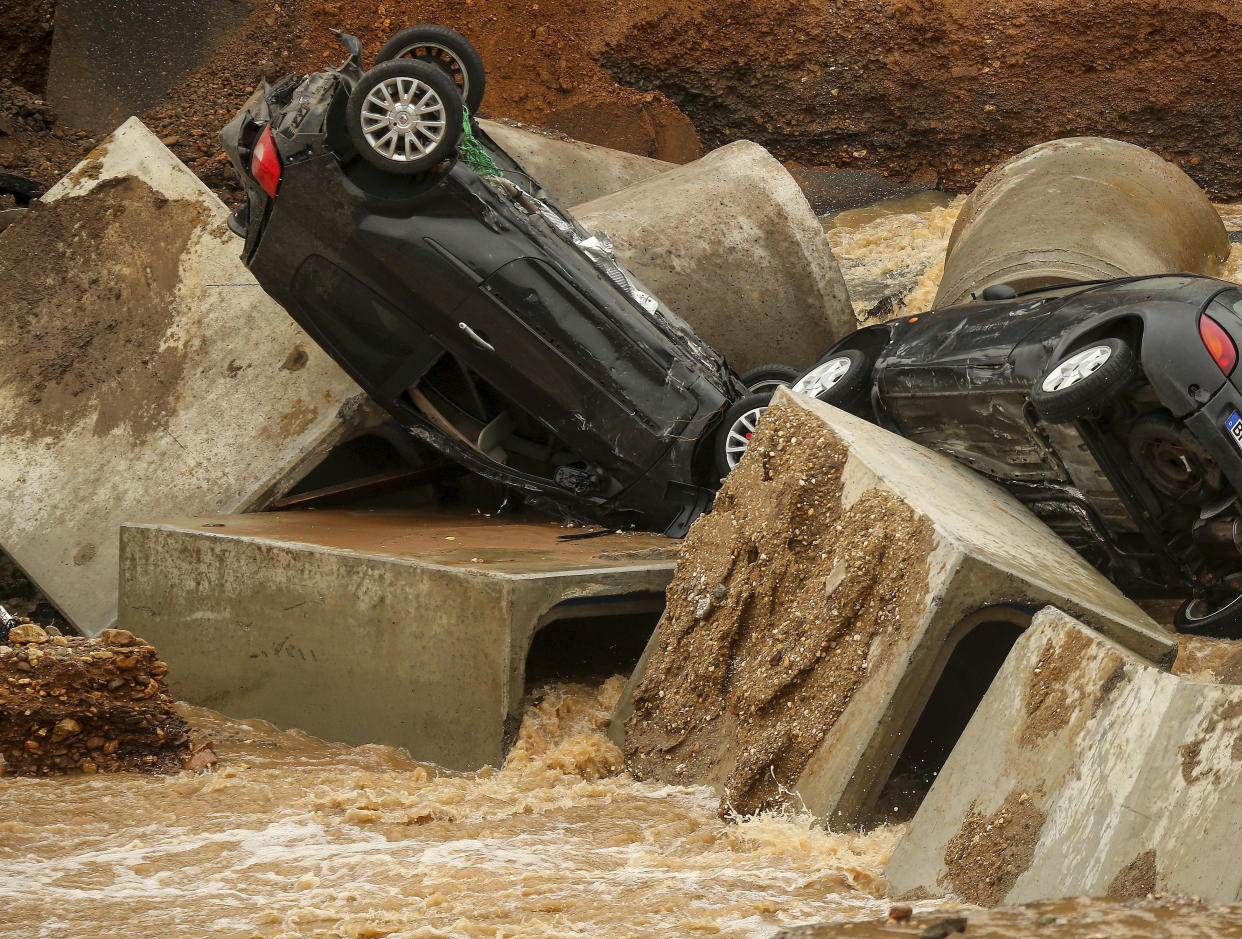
{"x":143,"y":372}
{"x":816,"y":607}
{"x":730,"y":243}
{"x":573,"y":171}
{"x":409,"y":630}
{"x":1085,"y":771}
{"x":114,"y":58}
{"x":1081,"y":208}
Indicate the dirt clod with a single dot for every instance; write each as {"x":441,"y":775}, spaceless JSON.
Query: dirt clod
{"x":811,"y":594}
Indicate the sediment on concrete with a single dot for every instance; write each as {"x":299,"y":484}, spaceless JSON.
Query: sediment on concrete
{"x":1085,"y":771}
{"x":1082,"y":208}
{"x":816,"y":607}
{"x":731,"y":245}
{"x":143,"y":372}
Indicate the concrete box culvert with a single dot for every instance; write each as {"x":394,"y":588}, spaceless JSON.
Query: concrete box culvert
{"x":1082,"y":208}
{"x":730,"y":243}
{"x":815,"y":609}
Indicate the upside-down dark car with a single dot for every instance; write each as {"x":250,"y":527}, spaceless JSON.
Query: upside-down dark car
{"x":464,"y":300}
{"x":1112,"y":409}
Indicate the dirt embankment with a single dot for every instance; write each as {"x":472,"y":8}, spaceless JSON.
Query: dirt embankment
{"x":783,"y":597}
{"x":948,"y":87}
{"x":929,"y":89}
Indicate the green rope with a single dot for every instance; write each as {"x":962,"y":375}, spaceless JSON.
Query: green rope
{"x":472,"y":152}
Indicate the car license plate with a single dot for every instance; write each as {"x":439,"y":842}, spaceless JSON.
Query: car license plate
{"x":1234,"y":425}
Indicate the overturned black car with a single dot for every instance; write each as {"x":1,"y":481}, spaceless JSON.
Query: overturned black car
{"x":464,"y":300}
{"x":1112,"y":409}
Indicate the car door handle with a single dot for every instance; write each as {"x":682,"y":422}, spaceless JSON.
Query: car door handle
{"x":478,"y":340}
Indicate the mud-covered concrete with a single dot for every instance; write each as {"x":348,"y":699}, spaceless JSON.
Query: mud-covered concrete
{"x":1085,"y":771}
{"x":816,"y":607}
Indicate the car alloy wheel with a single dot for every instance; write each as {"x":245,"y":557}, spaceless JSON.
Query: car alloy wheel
{"x":403,"y":119}
{"x":738,"y":437}
{"x":823,"y":377}
{"x":1078,"y":366}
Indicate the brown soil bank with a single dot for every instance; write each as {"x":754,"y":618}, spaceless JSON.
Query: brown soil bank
{"x":950,"y":86}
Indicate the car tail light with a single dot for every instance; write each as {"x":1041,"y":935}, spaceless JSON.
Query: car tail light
{"x":1218,"y":343}
{"x":265,"y":163}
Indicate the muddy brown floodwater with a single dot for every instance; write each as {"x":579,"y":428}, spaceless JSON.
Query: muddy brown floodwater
{"x":290,"y":836}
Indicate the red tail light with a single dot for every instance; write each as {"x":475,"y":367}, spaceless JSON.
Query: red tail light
{"x":265,"y":163}
{"x":1218,"y":343}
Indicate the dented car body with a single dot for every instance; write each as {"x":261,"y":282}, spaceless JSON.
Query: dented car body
{"x":479,"y":314}
{"x":1111,"y":409}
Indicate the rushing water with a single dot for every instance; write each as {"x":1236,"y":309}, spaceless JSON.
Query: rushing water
{"x":290,"y":836}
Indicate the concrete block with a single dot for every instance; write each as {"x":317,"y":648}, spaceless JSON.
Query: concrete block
{"x":408,"y":630}
{"x":143,"y":372}
{"x":571,"y":170}
{"x":816,"y":608}
{"x":730,"y":243}
{"x":1085,"y":771}
{"x":111,"y":59}
{"x":1082,"y":208}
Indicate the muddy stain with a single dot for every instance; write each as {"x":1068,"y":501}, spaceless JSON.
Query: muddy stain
{"x":781,"y":599}
{"x":89,"y":330}
{"x":1048,"y":702}
{"x":1136,"y":880}
{"x":299,"y":417}
{"x":989,"y":853}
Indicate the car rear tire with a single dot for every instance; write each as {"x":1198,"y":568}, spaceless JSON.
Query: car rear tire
{"x":769,"y":377}
{"x":1215,"y":618}
{"x":1083,"y":382}
{"x":736,"y":429}
{"x":447,"y":50}
{"x":404,"y":117}
{"x":842,"y":379}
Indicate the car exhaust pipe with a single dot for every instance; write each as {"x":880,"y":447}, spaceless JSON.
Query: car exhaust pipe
{"x":1220,"y":538}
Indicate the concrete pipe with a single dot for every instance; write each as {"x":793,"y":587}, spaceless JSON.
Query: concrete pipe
{"x":730,"y":243}
{"x":569,"y":169}
{"x":1082,"y":208}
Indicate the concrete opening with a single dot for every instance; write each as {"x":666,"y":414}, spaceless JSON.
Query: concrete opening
{"x":591,"y":647}
{"x":986,"y":639}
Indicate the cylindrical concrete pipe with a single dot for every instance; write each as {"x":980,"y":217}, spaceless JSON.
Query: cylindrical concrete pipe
{"x":1082,"y":208}
{"x":569,"y":169}
{"x":730,"y":243}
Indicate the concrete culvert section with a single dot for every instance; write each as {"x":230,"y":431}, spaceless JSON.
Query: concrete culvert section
{"x":1082,"y":208}
{"x":571,"y":170}
{"x":730,"y":243}
{"x":815,"y":612}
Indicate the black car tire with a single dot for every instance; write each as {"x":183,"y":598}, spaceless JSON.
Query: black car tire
{"x":769,"y":377}
{"x":736,"y":428}
{"x":1203,"y":617}
{"x":446,"y":49}
{"x":1089,"y":393}
{"x":851,"y":388}
{"x":367,"y":137}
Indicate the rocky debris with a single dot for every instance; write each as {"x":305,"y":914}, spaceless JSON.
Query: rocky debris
{"x":33,"y":143}
{"x":89,"y":705}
